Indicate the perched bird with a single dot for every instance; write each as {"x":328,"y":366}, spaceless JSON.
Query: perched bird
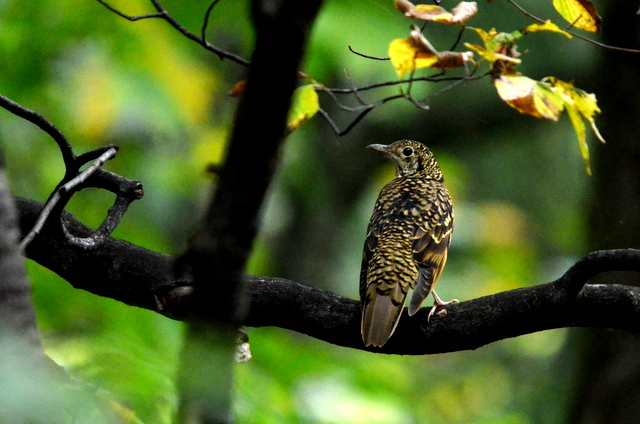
{"x":407,"y":241}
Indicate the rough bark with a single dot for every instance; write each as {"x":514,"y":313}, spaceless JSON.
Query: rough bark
{"x":134,"y":275}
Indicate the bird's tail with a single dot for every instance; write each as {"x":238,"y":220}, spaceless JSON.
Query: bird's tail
{"x":380,"y":318}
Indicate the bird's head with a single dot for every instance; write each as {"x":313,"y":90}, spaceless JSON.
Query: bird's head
{"x":410,"y":158}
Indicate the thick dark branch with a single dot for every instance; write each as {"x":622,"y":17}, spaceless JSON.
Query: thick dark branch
{"x":135,"y":275}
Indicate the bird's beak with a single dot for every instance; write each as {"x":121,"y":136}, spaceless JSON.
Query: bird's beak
{"x":379,"y":147}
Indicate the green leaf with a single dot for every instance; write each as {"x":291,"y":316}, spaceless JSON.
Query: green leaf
{"x":305,"y":104}
{"x":579,"y":104}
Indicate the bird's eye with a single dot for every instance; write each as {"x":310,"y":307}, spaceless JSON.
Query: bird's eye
{"x":408,"y":151}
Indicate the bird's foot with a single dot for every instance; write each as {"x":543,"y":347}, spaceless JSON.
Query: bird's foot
{"x":437,"y":302}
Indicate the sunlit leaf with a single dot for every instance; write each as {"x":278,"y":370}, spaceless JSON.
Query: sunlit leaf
{"x":579,"y":104}
{"x":427,"y":12}
{"x":409,"y":54}
{"x":492,"y":56}
{"x":415,"y":52}
{"x":547,"y":99}
{"x":494,"y":40}
{"x":580,"y":13}
{"x":499,"y":49}
{"x":578,"y":126}
{"x":547,"y":26}
{"x":305,"y":104}
{"x":529,"y":96}
{"x":584,"y":102}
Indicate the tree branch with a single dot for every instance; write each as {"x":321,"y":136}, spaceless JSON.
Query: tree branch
{"x":134,"y":275}
{"x":163,"y":14}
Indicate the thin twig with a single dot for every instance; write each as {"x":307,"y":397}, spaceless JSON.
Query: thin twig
{"x":35,"y":118}
{"x":527,"y":14}
{"x":206,"y":20}
{"x":588,"y":40}
{"x":455,"y":84}
{"x":62,"y":190}
{"x":130,"y":17}
{"x":455,"y":44}
{"x":367,"y":56}
{"x":222,"y":54}
{"x":358,"y":118}
{"x":339,"y":103}
{"x":354,"y":88}
{"x":429,"y":78}
{"x":330,"y":121}
{"x":363,"y":111}
{"x":163,"y":14}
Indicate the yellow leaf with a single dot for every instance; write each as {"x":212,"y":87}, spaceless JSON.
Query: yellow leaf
{"x":494,"y":40}
{"x":578,"y":126}
{"x":580,"y":13}
{"x":428,"y":12}
{"x":499,"y":49}
{"x":493,"y":56}
{"x":484,"y":35}
{"x":304,"y":105}
{"x":585,"y":103}
{"x":409,"y":54}
{"x":529,"y":96}
{"x":547,"y":26}
{"x":460,"y":14}
{"x":579,"y":104}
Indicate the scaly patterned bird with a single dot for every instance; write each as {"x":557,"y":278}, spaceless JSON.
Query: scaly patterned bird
{"x":407,"y":241}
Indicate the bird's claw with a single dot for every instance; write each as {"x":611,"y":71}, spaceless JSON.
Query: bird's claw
{"x":438,"y":303}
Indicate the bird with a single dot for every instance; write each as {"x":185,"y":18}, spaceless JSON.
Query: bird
{"x":407,"y":241}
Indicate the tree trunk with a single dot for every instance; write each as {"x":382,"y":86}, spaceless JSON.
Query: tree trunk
{"x":608,"y":380}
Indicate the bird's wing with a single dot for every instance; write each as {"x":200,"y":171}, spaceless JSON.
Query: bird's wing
{"x":370,"y":244}
{"x":381,"y":310}
{"x":430,"y":246}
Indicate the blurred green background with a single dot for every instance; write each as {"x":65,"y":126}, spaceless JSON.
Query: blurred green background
{"x":519,"y":188}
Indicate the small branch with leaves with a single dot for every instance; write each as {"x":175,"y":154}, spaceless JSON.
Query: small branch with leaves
{"x":544,"y":99}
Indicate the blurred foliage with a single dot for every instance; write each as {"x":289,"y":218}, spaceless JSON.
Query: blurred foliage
{"x":518,"y":187}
